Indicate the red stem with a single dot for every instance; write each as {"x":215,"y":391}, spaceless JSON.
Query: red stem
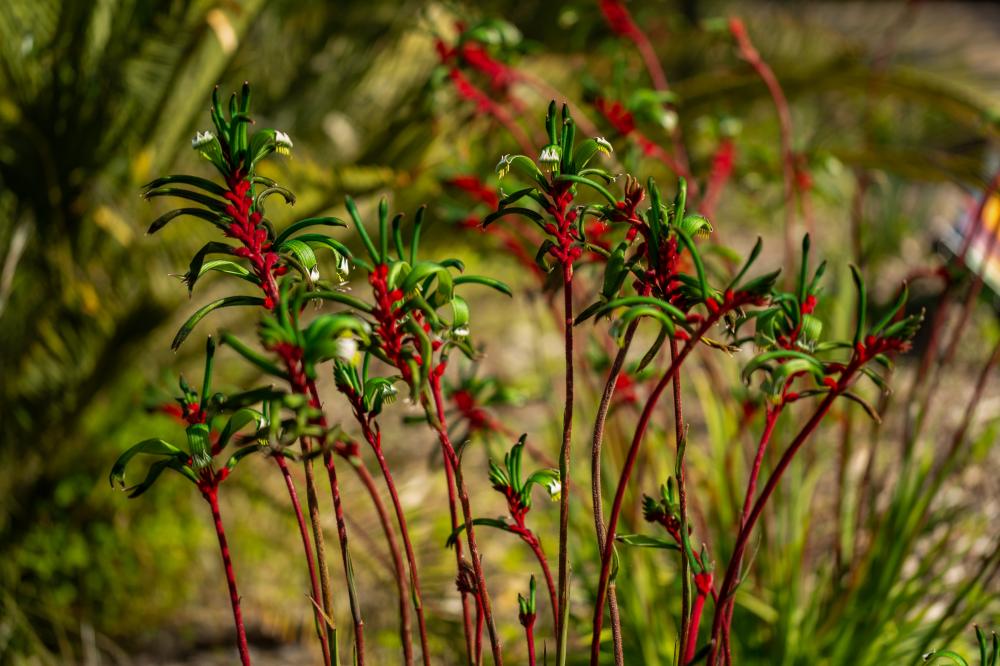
{"x":359,"y":638}
{"x":616,"y":507}
{"x":536,"y":548}
{"x":529,"y":632}
{"x":449,"y":472}
{"x":441,"y":426}
{"x":212,"y":496}
{"x":692,"y":636}
{"x":564,"y":458}
{"x":595,"y":471}
{"x":307,"y":550}
{"x":766,"y":74}
{"x":729,"y":582}
{"x":374,"y":438}
{"x":682,"y":498}
{"x":397,"y":556}
{"x":770,"y":420}
{"x":479,"y":632}
{"x":345,"y":553}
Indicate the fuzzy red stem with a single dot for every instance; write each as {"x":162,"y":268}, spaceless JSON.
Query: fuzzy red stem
{"x":397,"y":556}
{"x":345,"y":553}
{"x":536,"y":548}
{"x":212,"y":496}
{"x":529,"y":633}
{"x":770,"y":420}
{"x":374,"y":438}
{"x":682,"y":507}
{"x":308,"y":552}
{"x":449,"y":473}
{"x":564,"y":459}
{"x":750,"y":54}
{"x":441,"y":426}
{"x":595,"y":471}
{"x":729,"y":581}
{"x":692,"y":635}
{"x":479,"y":632}
{"x":616,"y":507}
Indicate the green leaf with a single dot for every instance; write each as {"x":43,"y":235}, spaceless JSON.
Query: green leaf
{"x":754,"y":253}
{"x":803,"y":270}
{"x":653,"y":350}
{"x":615,"y":272}
{"x":239,"y":420}
{"x":183,"y":179}
{"x":597,"y":187}
{"x":498,"y":523}
{"x":295,"y":227}
{"x":696,"y":258}
{"x":514,"y":197}
{"x":342,"y":298}
{"x":695,"y":225}
{"x":242,"y":453}
{"x":154,"y":472}
{"x":421,"y":270}
{"x":893,"y":311}
{"x":586,"y":152}
{"x":514,"y":210}
{"x":867,"y":406}
{"x":522,"y":163}
{"x":303,"y":255}
{"x":762,"y":360}
{"x":211,"y":203}
{"x":485,"y":281}
{"x":254,"y":357}
{"x":227,"y":302}
{"x":229,"y":268}
{"x":200,"y":213}
{"x":156,"y":447}
{"x":378,"y":392}
{"x":644,"y":541}
{"x":954,"y":657}
{"x":352,"y":209}
{"x":635,"y":312}
{"x":630,"y":301}
{"x":195,"y":268}
{"x":862,"y":306}
{"x":334,"y":245}
{"x":261,"y":145}
{"x":199,"y":445}
{"x":285,"y":193}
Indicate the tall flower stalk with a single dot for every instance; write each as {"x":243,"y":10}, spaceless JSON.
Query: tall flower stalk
{"x":199,"y":465}
{"x":561,"y":167}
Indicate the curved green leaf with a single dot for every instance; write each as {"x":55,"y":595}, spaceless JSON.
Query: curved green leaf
{"x":200,"y":213}
{"x":498,"y":523}
{"x":156,"y":447}
{"x":485,"y":281}
{"x":295,"y":227}
{"x":201,"y":313}
{"x":644,"y":541}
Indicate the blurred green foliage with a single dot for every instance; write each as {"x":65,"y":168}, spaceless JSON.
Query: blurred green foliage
{"x":97,"y":98}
